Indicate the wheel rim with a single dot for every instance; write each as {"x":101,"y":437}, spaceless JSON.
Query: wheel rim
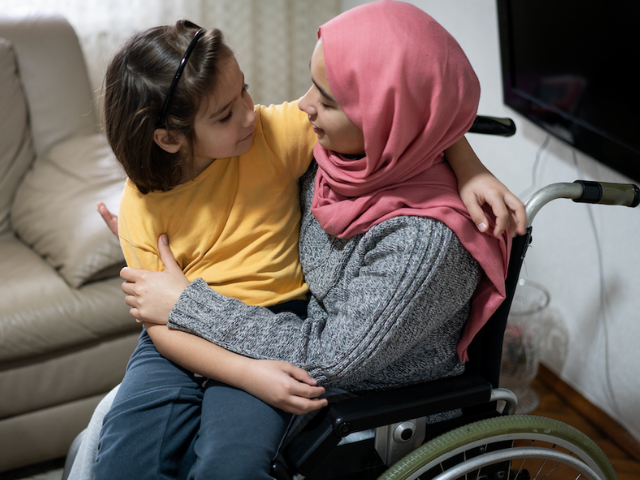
{"x":508,"y":455}
{"x":521,"y":431}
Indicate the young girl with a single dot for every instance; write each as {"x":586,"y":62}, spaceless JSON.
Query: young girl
{"x":220,"y":177}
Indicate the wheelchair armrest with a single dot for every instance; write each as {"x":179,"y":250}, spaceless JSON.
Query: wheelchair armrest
{"x":504,"y":127}
{"x":375,"y":409}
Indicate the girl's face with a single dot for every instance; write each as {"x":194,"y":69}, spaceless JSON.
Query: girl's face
{"x":224,"y":126}
{"x":334,"y":129}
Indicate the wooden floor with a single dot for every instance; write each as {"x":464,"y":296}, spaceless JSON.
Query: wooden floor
{"x":556,"y":404}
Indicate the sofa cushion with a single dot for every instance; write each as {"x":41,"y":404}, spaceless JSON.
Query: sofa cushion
{"x":66,"y":374}
{"x":54,"y":77}
{"x":41,"y":314}
{"x":16,"y":150}
{"x":55,"y":209}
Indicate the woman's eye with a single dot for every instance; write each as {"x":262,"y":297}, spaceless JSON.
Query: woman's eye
{"x":246,"y":87}
{"x":324,"y":105}
{"x":227,"y":118}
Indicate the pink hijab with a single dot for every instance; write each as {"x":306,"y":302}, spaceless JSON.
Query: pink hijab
{"x":406,"y":83}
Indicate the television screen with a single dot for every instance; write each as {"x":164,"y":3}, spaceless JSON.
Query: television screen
{"x":571,"y":67}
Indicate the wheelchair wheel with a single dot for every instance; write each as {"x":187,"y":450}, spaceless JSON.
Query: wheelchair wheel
{"x":506,"y":448}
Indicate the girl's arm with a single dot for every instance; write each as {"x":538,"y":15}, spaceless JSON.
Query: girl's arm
{"x":279,"y":384}
{"x":477,"y":187}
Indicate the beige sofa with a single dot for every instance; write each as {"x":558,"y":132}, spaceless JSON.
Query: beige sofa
{"x":65,"y":332}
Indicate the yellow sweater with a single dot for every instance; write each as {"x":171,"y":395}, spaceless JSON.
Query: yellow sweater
{"x":236,"y":225}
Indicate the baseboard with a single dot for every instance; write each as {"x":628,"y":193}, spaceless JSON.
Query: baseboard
{"x":597,"y":417}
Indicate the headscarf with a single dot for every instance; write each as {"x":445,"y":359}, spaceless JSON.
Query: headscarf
{"x":405,"y":82}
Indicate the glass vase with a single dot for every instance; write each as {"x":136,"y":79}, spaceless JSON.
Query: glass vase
{"x":521,"y":346}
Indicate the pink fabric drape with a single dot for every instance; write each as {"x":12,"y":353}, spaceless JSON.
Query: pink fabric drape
{"x":407,"y":84}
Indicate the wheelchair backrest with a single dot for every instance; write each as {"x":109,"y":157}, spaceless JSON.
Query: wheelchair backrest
{"x":485,"y":351}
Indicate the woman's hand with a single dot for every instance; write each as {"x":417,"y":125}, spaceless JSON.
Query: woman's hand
{"x":109,"y":218}
{"x":282,"y":385}
{"x":483,"y":188}
{"x":152,"y":295}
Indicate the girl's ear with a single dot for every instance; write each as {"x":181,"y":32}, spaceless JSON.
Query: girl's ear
{"x":165,"y":141}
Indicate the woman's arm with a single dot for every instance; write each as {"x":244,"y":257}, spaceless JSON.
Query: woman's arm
{"x":414,"y":279}
{"x":477,"y":187}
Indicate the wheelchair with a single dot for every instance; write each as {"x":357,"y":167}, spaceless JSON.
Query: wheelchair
{"x":452,"y":428}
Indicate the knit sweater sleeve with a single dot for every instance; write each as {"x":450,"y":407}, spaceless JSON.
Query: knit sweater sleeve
{"x":411,"y":277}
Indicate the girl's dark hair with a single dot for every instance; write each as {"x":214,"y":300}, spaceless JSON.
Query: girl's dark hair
{"x":136,"y":84}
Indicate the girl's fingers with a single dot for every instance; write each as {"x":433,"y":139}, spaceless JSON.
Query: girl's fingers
{"x":301,"y":375}
{"x":308,"y":392}
{"x":518,"y":213}
{"x":304,"y":390}
{"x":110,"y":219}
{"x":299,"y":405}
{"x":500,"y":212}
{"x":478,"y":217}
{"x":303,"y":385}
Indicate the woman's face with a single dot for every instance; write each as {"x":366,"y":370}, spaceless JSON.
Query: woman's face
{"x":334,"y":129}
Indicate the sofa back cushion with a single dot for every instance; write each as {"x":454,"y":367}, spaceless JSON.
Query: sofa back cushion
{"x":54,"y":210}
{"x":54,"y":77}
{"x":16,"y":149}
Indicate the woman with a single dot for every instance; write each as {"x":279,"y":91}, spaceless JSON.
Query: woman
{"x":389,"y":251}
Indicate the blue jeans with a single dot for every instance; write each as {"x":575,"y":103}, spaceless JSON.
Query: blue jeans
{"x":166,"y":423}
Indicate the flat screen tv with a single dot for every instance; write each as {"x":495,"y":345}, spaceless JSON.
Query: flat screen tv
{"x":571,"y":67}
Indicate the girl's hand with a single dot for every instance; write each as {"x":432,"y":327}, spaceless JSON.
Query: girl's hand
{"x":477,"y":187}
{"x":109,"y":218}
{"x":152,"y":295}
{"x":282,"y":385}
{"x":483,"y":188}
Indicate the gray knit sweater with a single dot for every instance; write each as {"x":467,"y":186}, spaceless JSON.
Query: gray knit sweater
{"x":387,"y":306}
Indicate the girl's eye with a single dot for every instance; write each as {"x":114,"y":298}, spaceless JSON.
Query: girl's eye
{"x":324,"y":105}
{"x":228,"y":117}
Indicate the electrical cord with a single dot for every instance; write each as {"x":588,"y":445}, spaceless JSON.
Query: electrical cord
{"x":603,"y":324}
{"x":534,"y":171}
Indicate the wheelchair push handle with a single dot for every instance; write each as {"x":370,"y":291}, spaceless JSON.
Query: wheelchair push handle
{"x":504,"y":127}
{"x":625,"y":194}
{"x":584,"y":191}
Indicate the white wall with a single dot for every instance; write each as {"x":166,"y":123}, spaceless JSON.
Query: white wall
{"x":595,"y":353}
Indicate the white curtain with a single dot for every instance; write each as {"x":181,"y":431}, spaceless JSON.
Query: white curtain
{"x":272,"y":39}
